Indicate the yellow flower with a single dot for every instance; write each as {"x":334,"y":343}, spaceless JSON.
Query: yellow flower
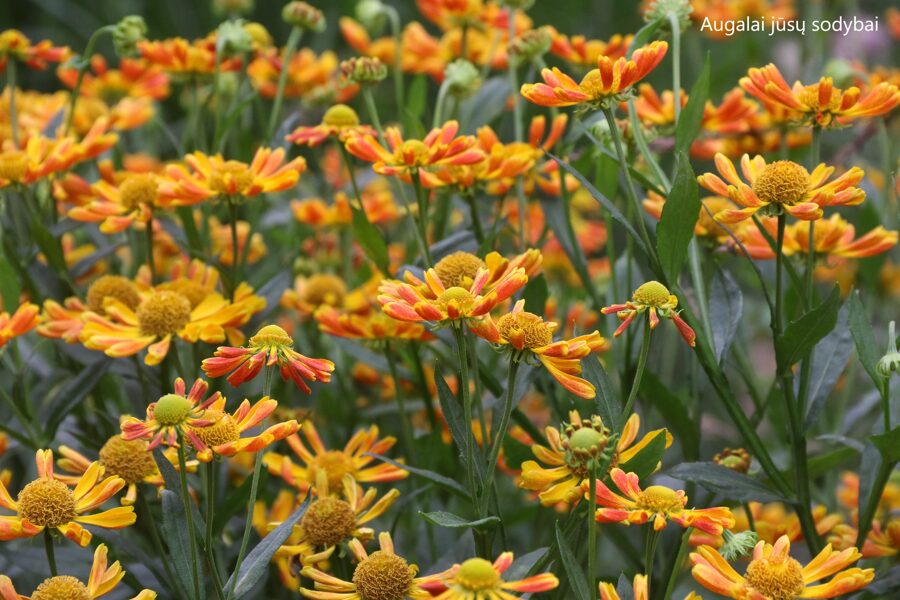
{"x":654,"y":299}
{"x":479,"y":579}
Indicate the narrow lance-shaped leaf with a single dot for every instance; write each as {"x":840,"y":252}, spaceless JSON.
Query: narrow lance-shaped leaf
{"x":863,"y":337}
{"x":802,"y":335}
{"x":691,"y":116}
{"x":679,"y":216}
{"x":572,"y":565}
{"x":451,"y":521}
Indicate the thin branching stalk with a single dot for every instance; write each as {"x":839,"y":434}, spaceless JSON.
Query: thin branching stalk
{"x":638,"y":375}
{"x":293,"y":41}
{"x":406,"y":430}
{"x":675,"y":569}
{"x":83,"y":65}
{"x":188,"y":514}
{"x":592,"y":530}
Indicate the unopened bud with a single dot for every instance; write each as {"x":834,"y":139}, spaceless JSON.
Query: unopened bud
{"x":530,"y":45}
{"x":128,"y":32}
{"x":371,"y":13}
{"x":890,"y":362}
{"x":304,"y":16}
{"x":661,"y":9}
{"x":232,"y":7}
{"x":363,"y":70}
{"x":462,"y":78}
{"x":738,"y":545}
{"x":233,"y":39}
{"x":736,"y":459}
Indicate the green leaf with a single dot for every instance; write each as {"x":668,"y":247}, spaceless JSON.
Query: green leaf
{"x":173,"y":484}
{"x":864,"y":338}
{"x":175,"y":527}
{"x":256,"y":564}
{"x":515,"y":452}
{"x":829,"y":362}
{"x":606,"y":403}
{"x":452,"y":412}
{"x":645,"y":462}
{"x":437,"y":478}
{"x":674,"y":411}
{"x":722,"y":480}
{"x":451,"y":521}
{"x":726,"y":307}
{"x":802,"y":335}
{"x":417,"y":96}
{"x":645,"y":35}
{"x":72,"y":393}
{"x":888,"y":444}
{"x":572,"y":565}
{"x":9,"y":285}
{"x":370,"y":239}
{"x":691,"y":116}
{"x":679,"y":216}
{"x":535,"y":295}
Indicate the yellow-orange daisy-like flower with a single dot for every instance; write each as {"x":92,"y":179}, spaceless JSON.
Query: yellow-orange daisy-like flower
{"x":655,"y":299}
{"x":370,"y":327}
{"x":285,"y":503}
{"x":14,"y":44}
{"x":770,"y":522}
{"x":47,"y":502}
{"x":173,"y":415}
{"x":583,"y":52}
{"x":609,"y":81}
{"x":377,"y":201}
{"x":381,"y":574}
{"x":21,"y":322}
{"x":773,"y":574}
{"x":655,"y":503}
{"x":820,"y":103}
{"x":206,"y":177}
{"x":707,"y":227}
{"x":270,"y":346}
{"x":339,"y":122}
{"x":561,"y":480}
{"x":120,"y":205}
{"x":321,"y":289}
{"x":783,"y":185}
{"x":134,"y":77}
{"x":251,"y":247}
{"x":102,"y":580}
{"x":354,"y":460}
{"x":181,"y":57}
{"x":477,"y":579}
{"x":882,"y":540}
{"x":310,"y":76}
{"x":640,"y":588}
{"x":527,"y":335}
{"x":440,"y":148}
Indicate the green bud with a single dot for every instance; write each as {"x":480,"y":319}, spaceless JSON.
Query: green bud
{"x":661,"y":9}
{"x":128,"y":32}
{"x":890,"y":362}
{"x":462,"y":78}
{"x":738,"y":545}
{"x":371,"y":13}
{"x":304,"y":16}
{"x":363,"y":70}
{"x":233,"y":39}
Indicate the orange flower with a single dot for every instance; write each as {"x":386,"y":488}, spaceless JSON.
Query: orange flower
{"x":21,"y":322}
{"x":14,"y":44}
{"x":120,"y":205}
{"x":47,"y":502}
{"x":354,"y":460}
{"x":356,"y":36}
{"x":706,"y":227}
{"x":179,"y":56}
{"x":654,"y":298}
{"x":223,"y":245}
{"x":545,"y":176}
{"x":269,"y":347}
{"x":655,"y":503}
{"x":780,"y":186}
{"x":610,"y":80}
{"x":476,"y":578}
{"x":214,"y":177}
{"x":640,"y":589}
{"x":773,"y":573}
{"x":310,"y":76}
{"x":372,"y":327}
{"x":883,"y":540}
{"x":340,"y":122}
{"x":134,"y":77}
{"x":835,"y":237}
{"x":528,"y":336}
{"x":377,"y":201}
{"x":820,"y":103}
{"x":580,"y":51}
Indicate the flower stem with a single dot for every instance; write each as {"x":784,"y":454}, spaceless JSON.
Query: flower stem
{"x":51,"y":553}
{"x":638,"y":375}
{"x":82,"y":68}
{"x":676,"y":62}
{"x":592,"y":531}
{"x":210,"y":518}
{"x":151,"y":261}
{"x":396,"y":32}
{"x":683,"y":548}
{"x":406,"y":431}
{"x":292,"y":43}
{"x":373,"y":111}
{"x":500,"y":434}
{"x":696,"y":269}
{"x":188,"y":514}
{"x":422,"y":221}
{"x":650,"y":551}
{"x":461,"y":349}
{"x":235,"y":255}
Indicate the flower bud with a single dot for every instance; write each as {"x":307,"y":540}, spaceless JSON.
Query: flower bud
{"x":363,"y":70}
{"x":304,"y":16}
{"x":588,"y":444}
{"x":371,"y":13}
{"x":890,"y":362}
{"x":661,"y":9}
{"x":738,"y":545}
{"x":736,"y":459}
{"x":530,"y":45}
{"x":517,"y":4}
{"x":128,"y":32}
{"x":232,"y":39}
{"x":259,"y":34}
{"x":232,"y":7}
{"x":462,"y":78}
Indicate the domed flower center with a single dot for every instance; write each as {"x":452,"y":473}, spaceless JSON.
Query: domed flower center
{"x":383,"y":576}
{"x":190,"y":289}
{"x":325,"y":289}
{"x":223,"y":430}
{"x":535,"y":331}
{"x":13,"y":166}
{"x":46,"y":503}
{"x":64,"y":587}
{"x":458,"y":269}
{"x":328,"y":521}
{"x":476,"y":575}
{"x":413,"y":153}
{"x":129,"y":459}
{"x":232,"y":178}
{"x":587,"y":439}
{"x":271,"y":335}
{"x":652,"y":293}
{"x":659,"y":498}
{"x":112,"y":286}
{"x":782,"y":182}
{"x":335,"y":464}
{"x":171,"y":410}
{"x":778,"y":580}
{"x":163,"y":313}
{"x":461,"y":297}
{"x":138,"y":190}
{"x":340,"y":116}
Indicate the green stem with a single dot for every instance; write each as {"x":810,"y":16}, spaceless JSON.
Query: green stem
{"x":235,"y":254}
{"x":696,"y":268}
{"x":868,"y":513}
{"x":406,"y":431}
{"x":477,"y":229}
{"x":644,"y":149}
{"x":676,"y":62}
{"x":151,"y":261}
{"x":461,"y":349}
{"x":188,"y":514}
{"x":292,"y":43}
{"x":373,"y":111}
{"x":422,"y":221}
{"x":51,"y":553}
{"x":210,"y":518}
{"x":394,"y":19}
{"x":592,"y":531}
{"x":11,"y":83}
{"x":650,"y":551}
{"x":439,"y":104}
{"x":578,"y":259}
{"x":146,"y":516}
{"x":500,"y":434}
{"x":642,"y":362}
{"x":683,"y":547}
{"x":82,"y":68}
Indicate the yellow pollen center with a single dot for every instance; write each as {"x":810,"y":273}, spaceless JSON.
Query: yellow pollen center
{"x":782,"y":182}
{"x":383,"y":576}
{"x":328,"y":521}
{"x":587,"y":439}
{"x":335,"y":464}
{"x":129,"y":459}
{"x":340,"y":116}
{"x":652,"y":293}
{"x":461,"y":296}
{"x":190,"y":289}
{"x":13,"y":166}
{"x":271,"y":335}
{"x":63,"y":587}
{"x":171,"y":410}
{"x":458,"y":269}
{"x":325,"y":289}
{"x":46,"y":503}
{"x":222,"y":431}
{"x":776,"y":580}
{"x":477,"y":575}
{"x":413,"y":152}
{"x":163,"y":313}
{"x":137,"y":190}
{"x":231,"y":178}
{"x":112,"y":286}
{"x":535,"y":331}
{"x":659,"y":498}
